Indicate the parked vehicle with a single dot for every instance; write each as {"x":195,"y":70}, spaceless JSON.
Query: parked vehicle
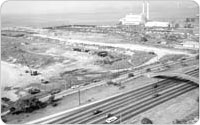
{"x":34,"y":90}
{"x":155,"y":95}
{"x":75,"y":86}
{"x":130,"y":75}
{"x":34,"y":73}
{"x":44,"y":81}
{"x":55,"y":91}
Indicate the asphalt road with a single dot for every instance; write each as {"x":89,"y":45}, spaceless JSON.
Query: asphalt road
{"x":125,"y":105}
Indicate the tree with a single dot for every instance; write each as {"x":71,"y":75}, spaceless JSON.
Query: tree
{"x":144,"y":39}
{"x":187,"y":20}
{"x":197,"y":57}
{"x":146,"y":121}
{"x":27,"y":105}
{"x":177,"y":25}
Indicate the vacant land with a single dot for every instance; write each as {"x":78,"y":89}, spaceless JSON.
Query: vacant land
{"x":63,"y":65}
{"x":67,"y":60}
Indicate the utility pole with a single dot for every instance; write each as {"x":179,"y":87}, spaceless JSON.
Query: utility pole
{"x":155,"y":89}
{"x":26,"y":63}
{"x":70,"y":80}
{"x":120,"y":118}
{"x":79,"y":97}
{"x":65,"y":85}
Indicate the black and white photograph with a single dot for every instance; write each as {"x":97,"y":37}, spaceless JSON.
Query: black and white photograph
{"x":100,"y":62}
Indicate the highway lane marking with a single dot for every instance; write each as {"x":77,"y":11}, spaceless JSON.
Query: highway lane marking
{"x":76,"y":108}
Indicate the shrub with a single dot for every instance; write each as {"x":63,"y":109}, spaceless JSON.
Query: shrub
{"x":4,"y":119}
{"x":27,"y":105}
{"x":197,"y":57}
{"x":55,"y":104}
{"x":143,"y":39}
{"x":177,"y":121}
{"x":146,"y":121}
{"x":5,"y":99}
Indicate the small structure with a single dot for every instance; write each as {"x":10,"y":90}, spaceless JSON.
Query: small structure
{"x":131,"y":19}
{"x":190,"y":44}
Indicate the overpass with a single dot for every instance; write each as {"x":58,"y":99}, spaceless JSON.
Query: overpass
{"x":179,"y":76}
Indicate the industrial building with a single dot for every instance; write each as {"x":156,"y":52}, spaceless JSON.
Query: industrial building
{"x":142,"y":19}
{"x":157,"y":24}
{"x":136,"y":19}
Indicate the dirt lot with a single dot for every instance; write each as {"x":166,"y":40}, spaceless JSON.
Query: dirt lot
{"x":58,"y":62}
{"x":64,"y":66}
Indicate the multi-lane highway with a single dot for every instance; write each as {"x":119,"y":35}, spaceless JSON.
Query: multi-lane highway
{"x":126,"y":105}
{"x":123,"y":77}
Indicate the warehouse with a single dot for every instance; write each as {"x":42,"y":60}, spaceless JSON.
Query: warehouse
{"x":157,"y":24}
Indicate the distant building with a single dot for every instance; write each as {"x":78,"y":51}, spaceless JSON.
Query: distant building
{"x":136,"y":19}
{"x":131,"y":19}
{"x":190,"y":44}
{"x":157,"y":24}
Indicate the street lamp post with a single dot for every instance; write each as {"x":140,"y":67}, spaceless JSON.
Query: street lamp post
{"x":65,"y":85}
{"x":120,"y":118}
{"x":79,"y":97}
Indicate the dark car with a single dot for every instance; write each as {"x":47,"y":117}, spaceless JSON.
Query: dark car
{"x":155,"y":95}
{"x":97,"y":112}
{"x":34,"y":90}
{"x":155,"y":86}
{"x":152,"y":53}
{"x":55,"y":91}
{"x":34,"y":73}
{"x":183,"y":58}
{"x":130,"y":75}
{"x":109,"y":115}
{"x":5,"y":99}
{"x":44,"y":81}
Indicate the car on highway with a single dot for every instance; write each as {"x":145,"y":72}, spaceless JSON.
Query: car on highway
{"x":155,"y":95}
{"x":97,"y":112}
{"x":111,"y":119}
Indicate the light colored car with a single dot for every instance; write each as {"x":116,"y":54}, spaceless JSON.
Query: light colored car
{"x":111,"y":119}
{"x":75,"y":86}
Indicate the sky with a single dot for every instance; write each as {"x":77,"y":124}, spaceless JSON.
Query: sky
{"x":93,"y":11}
{"x":46,"y":7}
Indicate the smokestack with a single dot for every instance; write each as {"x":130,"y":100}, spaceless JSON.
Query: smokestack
{"x":147,"y":10}
{"x":143,"y":6}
